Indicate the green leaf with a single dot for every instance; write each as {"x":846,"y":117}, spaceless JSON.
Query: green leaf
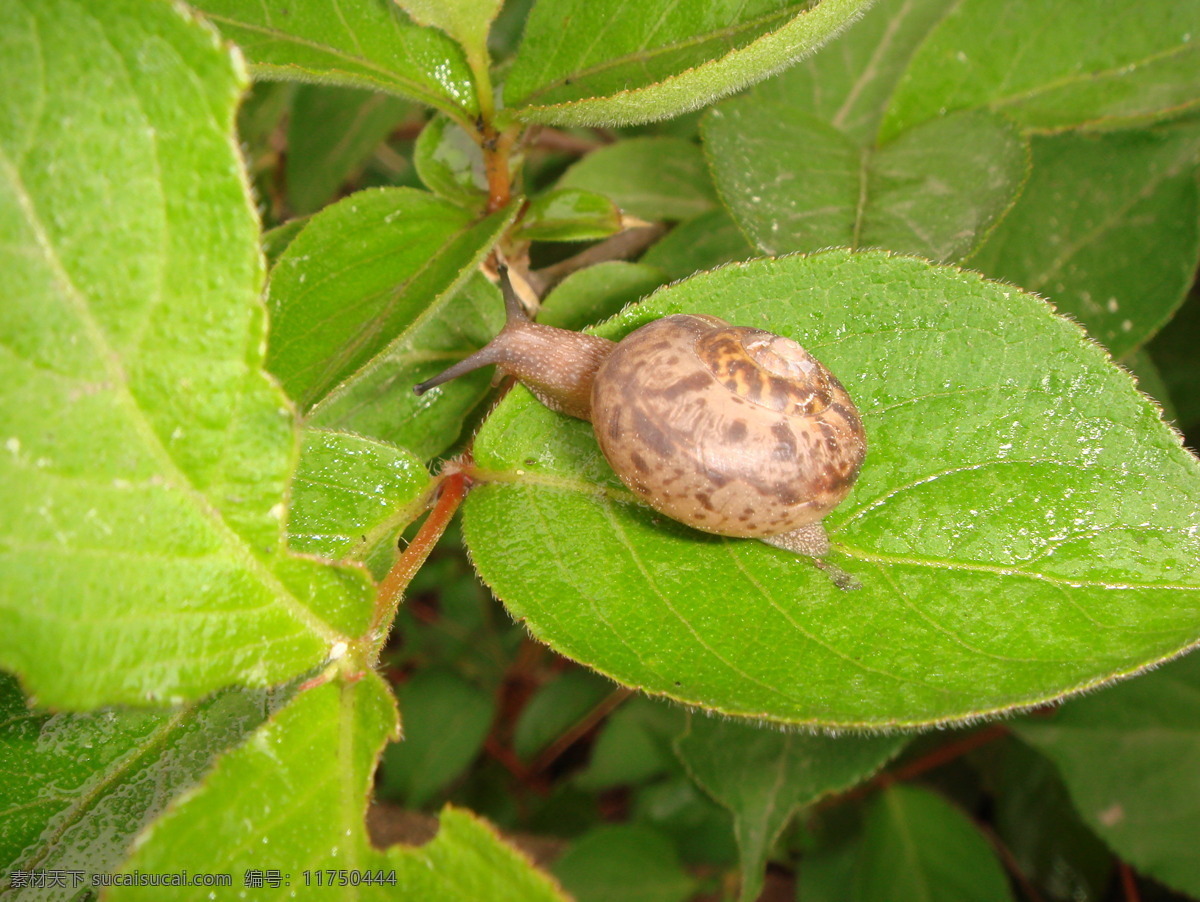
{"x":848,"y":83}
{"x":557,"y":707}
{"x":380,"y":402}
{"x":147,"y":453}
{"x":634,"y":744}
{"x":796,"y":183}
{"x":1174,"y":352}
{"x":1150,"y":381}
{"x":362,"y":273}
{"x":1127,"y":756}
{"x":363,"y":44}
{"x":915,"y":845}
{"x":569,"y":214}
{"x":597,"y":292}
{"x":1108,"y":229}
{"x":706,"y":242}
{"x":446,"y":719}
{"x":651,"y":178}
{"x":1025,"y":526}
{"x":450,"y":164}
{"x":1048,"y":840}
{"x":583,"y":62}
{"x":294,"y":797}
{"x":1053,"y":66}
{"x":629,"y":862}
{"x":764,"y":776}
{"x":350,"y":493}
{"x":331,"y":134}
{"x":75,"y":789}
{"x":700,"y":828}
{"x":275,"y":241}
{"x":466,"y":21}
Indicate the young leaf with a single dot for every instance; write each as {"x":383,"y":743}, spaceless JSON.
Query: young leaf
{"x":350,"y":493}
{"x":148,"y":453}
{"x":651,"y":178}
{"x":1053,"y":66}
{"x":379,"y":400}
{"x":763,"y":776}
{"x":583,"y":62}
{"x":362,"y":273}
{"x":362,"y":44}
{"x":569,"y":214}
{"x":1127,"y":756}
{"x":446,"y":720}
{"x":75,"y":789}
{"x":915,"y":845}
{"x":331,"y":134}
{"x":1025,"y":526}
{"x":1108,"y":229}
{"x":466,"y":21}
{"x":293,"y":798}
{"x":796,"y":183}
{"x":450,"y":164}
{"x":632,"y":863}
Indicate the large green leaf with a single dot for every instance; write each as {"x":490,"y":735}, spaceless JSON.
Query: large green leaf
{"x":763,"y":776}
{"x":75,"y":789}
{"x":1108,"y":229}
{"x":584,"y":62}
{"x":1024,"y":526}
{"x":796,"y":183}
{"x":294,"y":797}
{"x":357,"y":43}
{"x":361,"y":273}
{"x":1053,"y":64}
{"x":1128,"y":756}
{"x":380,"y":402}
{"x":148,"y":454}
{"x":350,"y":493}
{"x":332,"y":131}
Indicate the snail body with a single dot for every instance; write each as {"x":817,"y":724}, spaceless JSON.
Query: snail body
{"x":730,"y":430}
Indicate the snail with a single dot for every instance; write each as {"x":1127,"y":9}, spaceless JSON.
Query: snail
{"x":730,"y":430}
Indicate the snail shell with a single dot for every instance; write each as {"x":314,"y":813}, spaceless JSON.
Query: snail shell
{"x":730,"y":430}
{"x":734,"y":431}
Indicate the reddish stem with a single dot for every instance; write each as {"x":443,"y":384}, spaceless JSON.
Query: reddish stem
{"x":391,"y":590}
{"x":1128,"y":884}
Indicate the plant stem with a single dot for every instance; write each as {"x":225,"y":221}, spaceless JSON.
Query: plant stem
{"x":452,"y":491}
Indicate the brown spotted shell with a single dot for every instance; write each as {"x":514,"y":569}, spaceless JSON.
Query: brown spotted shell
{"x":731,"y":430}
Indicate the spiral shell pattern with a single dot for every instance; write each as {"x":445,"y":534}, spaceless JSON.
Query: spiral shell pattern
{"x":730,"y":430}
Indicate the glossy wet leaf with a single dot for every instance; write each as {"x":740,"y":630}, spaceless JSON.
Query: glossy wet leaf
{"x":446,"y":719}
{"x":763,"y":776}
{"x":294,"y":797}
{"x":598,"y":292}
{"x":450,"y":164}
{"x":368,"y":44}
{"x":1128,"y":757}
{"x":914,"y":845}
{"x":332,"y":132}
{"x":1108,"y":229}
{"x":379,"y":401}
{"x":147,"y":452}
{"x":1024,"y":525}
{"x":629,"y":862}
{"x":362,"y":274}
{"x":569,"y":214}
{"x":797,"y":183}
{"x":583,"y":62}
{"x":651,"y":178}
{"x":466,"y":21}
{"x":350,"y":493}
{"x":1053,"y":65}
{"x":75,"y":789}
